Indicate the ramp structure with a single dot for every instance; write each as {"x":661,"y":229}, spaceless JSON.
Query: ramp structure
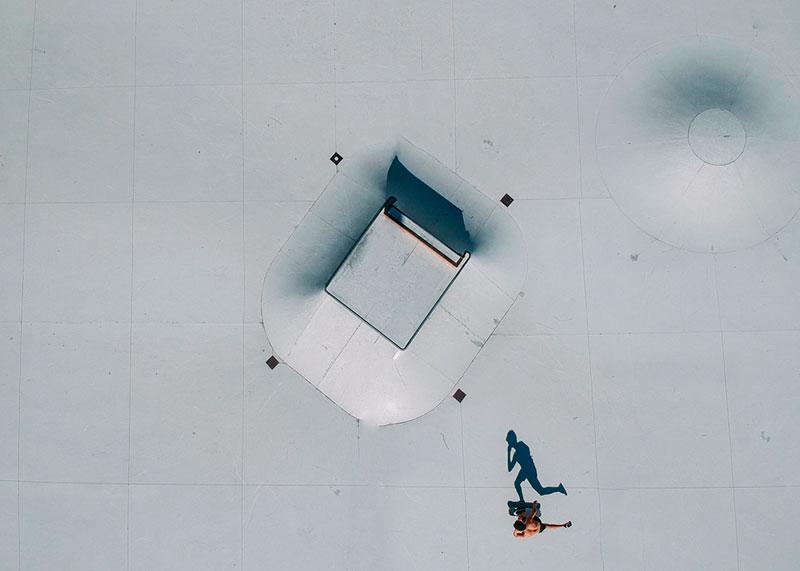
{"x":384,"y":312}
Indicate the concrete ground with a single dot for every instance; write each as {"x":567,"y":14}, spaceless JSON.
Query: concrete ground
{"x":154,"y":157}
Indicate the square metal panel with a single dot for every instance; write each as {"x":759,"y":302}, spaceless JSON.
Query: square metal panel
{"x":395,"y":275}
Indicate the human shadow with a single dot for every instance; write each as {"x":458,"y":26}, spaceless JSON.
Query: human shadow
{"x":527,"y":469}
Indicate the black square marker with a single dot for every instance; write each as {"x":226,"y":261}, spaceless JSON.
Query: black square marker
{"x":272,"y":362}
{"x":336,"y":158}
{"x":507,"y":200}
{"x":459,"y":395}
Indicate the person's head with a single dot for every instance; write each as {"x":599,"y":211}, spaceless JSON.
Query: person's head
{"x":519,"y":525}
{"x":511,"y":438}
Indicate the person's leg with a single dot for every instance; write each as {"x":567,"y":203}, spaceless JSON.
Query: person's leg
{"x":518,"y":485}
{"x":544,"y":491}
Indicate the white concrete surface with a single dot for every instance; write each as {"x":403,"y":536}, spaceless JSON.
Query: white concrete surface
{"x":139,"y":425}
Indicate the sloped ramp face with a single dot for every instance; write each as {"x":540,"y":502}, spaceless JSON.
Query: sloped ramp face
{"x":348,"y":359}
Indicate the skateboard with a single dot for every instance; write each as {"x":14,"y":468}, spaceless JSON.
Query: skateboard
{"x":517,"y":508}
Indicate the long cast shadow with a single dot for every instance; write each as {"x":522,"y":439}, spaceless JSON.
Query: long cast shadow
{"x":527,"y":469}
{"x":428,"y":208}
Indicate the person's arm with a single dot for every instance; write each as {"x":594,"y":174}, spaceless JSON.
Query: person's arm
{"x":511,"y":460}
{"x":552,"y":525}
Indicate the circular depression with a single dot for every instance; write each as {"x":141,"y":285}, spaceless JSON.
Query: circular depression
{"x":717,"y":137}
{"x":697,"y":142}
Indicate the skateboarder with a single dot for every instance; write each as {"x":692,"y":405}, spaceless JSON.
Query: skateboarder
{"x":527,"y":469}
{"x":528,"y":522}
